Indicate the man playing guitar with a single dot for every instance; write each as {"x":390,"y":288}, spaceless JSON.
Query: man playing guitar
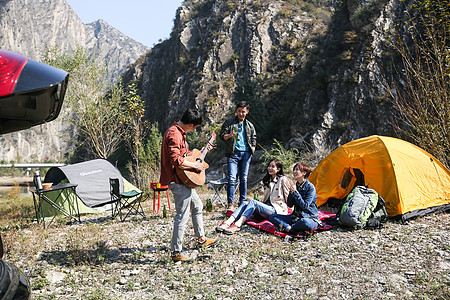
{"x":174,"y":149}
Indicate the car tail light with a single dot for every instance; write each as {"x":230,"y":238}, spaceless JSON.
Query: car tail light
{"x":11,"y":64}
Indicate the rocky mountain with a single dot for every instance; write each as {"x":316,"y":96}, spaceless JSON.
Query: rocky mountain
{"x":27,"y":27}
{"x":310,"y":68}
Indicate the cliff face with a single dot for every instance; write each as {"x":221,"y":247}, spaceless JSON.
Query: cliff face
{"x":118,"y":50}
{"x":27,"y":27}
{"x":307,"y":67}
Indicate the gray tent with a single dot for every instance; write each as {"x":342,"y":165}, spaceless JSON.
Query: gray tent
{"x":92,"y":178}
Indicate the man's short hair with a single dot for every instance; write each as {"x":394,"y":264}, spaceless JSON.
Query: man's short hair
{"x":192,"y":116}
{"x":243,"y":104}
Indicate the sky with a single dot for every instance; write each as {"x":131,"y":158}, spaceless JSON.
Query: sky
{"x":145,"y":21}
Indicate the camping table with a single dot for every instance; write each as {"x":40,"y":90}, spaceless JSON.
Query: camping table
{"x":66,"y":189}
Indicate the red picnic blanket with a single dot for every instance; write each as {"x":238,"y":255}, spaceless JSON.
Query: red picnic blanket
{"x":267,"y":226}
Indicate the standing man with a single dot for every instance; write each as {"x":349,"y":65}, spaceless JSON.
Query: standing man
{"x":239,"y":135}
{"x":173,"y":150}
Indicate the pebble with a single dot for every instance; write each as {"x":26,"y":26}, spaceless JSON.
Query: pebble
{"x":311,"y":291}
{"x":395,"y":278}
{"x":292,"y":271}
{"x":391,"y":295}
{"x":135,"y":272}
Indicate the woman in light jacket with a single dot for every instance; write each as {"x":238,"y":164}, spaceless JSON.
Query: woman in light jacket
{"x":276,"y":192}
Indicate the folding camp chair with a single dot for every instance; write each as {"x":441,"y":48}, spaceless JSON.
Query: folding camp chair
{"x":218,"y":186}
{"x":129,"y":201}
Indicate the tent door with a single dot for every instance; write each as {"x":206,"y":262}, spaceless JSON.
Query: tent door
{"x":351,"y":178}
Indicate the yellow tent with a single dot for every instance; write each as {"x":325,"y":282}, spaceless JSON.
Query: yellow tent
{"x":410,"y":180}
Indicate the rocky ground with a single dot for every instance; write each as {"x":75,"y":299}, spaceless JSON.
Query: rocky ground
{"x":107,"y":259}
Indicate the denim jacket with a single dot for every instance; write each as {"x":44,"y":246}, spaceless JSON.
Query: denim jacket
{"x":304,"y":201}
{"x":250,"y":134}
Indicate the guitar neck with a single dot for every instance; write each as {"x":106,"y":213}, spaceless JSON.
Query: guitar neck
{"x":202,"y":156}
{"x":205,"y":150}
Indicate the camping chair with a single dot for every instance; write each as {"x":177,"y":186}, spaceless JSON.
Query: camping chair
{"x":218,"y":186}
{"x":130,"y":201}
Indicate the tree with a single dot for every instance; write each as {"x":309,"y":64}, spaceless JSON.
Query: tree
{"x":100,"y":121}
{"x":247,"y":90}
{"x":95,"y":115}
{"x":152,"y":154}
{"x":420,"y":90}
{"x":136,"y":133}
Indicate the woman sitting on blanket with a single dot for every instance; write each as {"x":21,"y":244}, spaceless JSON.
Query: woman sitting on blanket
{"x":275,"y":197}
{"x":302,"y":197}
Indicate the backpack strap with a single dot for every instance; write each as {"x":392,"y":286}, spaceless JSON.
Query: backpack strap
{"x":373,"y":223}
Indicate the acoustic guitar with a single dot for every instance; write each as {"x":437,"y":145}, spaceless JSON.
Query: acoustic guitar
{"x":193,"y":178}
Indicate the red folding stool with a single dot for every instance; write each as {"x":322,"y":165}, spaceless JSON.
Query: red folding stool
{"x":158,"y":188}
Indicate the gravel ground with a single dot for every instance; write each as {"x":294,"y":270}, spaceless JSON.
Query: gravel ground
{"x":107,"y":259}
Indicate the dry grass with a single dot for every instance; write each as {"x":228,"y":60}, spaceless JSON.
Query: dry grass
{"x":15,"y":209}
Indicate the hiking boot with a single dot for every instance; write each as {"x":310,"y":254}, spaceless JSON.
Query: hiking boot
{"x":208,"y":242}
{"x":232,"y":229}
{"x":222,"y":227}
{"x":182,"y":256}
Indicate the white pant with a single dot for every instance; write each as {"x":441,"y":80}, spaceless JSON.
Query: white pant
{"x":186,"y":199}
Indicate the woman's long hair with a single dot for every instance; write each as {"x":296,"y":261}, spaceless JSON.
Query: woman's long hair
{"x":267,"y":178}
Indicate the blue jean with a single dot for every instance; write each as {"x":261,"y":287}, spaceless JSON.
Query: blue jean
{"x":238,"y":166}
{"x":247,"y":209}
{"x":288,"y":224}
{"x":186,"y":201}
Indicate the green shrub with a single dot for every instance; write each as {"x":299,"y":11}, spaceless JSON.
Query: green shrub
{"x":287,"y":157}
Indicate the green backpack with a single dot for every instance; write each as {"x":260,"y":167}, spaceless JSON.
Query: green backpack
{"x":359,"y":206}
